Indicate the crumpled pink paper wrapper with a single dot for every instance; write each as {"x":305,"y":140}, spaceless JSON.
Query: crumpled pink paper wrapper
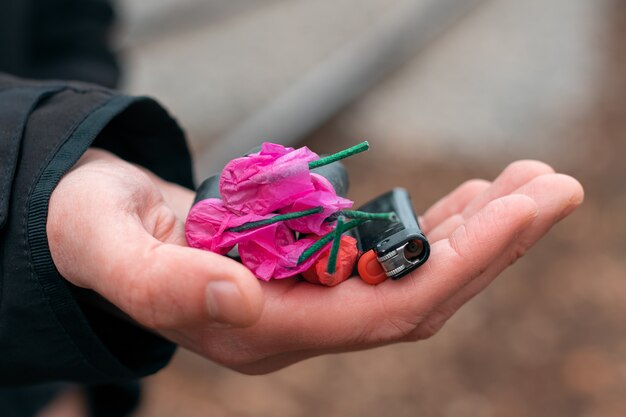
{"x":275,"y":252}
{"x":323,"y":195}
{"x":257,"y":187}
{"x":268,"y":180}
{"x":208,"y":222}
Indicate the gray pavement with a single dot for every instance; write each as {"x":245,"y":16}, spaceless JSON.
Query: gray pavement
{"x":509,"y":76}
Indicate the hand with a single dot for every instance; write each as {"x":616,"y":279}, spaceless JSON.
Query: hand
{"x":129,"y":253}
{"x":476,"y":231}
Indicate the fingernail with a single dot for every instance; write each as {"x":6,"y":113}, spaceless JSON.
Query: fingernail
{"x":223,"y":301}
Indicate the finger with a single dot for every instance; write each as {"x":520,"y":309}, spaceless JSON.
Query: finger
{"x":445,"y":228}
{"x":514,"y":176}
{"x":355,"y":315}
{"x":452,"y":203}
{"x":464,"y":256}
{"x":556,"y":196}
{"x":165,"y":286}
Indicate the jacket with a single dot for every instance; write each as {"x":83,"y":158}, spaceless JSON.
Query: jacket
{"x":48,"y":337}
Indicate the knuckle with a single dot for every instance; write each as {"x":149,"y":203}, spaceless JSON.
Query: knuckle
{"x":231,"y":352}
{"x":397,"y":328}
{"x":431,"y":325}
{"x":458,"y":242}
{"x":164,"y":224}
{"x":474,"y":184}
{"x":529,"y":168}
{"x":390,"y":324}
{"x":518,"y":251}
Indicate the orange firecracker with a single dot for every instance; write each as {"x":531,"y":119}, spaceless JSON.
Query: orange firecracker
{"x":346,"y":258}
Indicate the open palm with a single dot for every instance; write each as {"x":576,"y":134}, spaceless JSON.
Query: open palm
{"x":476,"y":231}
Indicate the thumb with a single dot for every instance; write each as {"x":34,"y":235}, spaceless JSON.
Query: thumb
{"x":124,"y":242}
{"x":177,"y":287}
{"x":167,"y":286}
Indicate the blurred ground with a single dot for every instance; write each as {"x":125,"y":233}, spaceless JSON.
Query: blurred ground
{"x":507,"y":77}
{"x":547,"y":339}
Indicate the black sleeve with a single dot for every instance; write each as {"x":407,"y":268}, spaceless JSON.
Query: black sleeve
{"x":45,"y":127}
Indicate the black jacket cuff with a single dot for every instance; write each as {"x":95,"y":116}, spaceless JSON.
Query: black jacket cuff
{"x":44,"y":333}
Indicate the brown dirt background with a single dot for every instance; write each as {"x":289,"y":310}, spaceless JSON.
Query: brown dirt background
{"x":546,"y":339}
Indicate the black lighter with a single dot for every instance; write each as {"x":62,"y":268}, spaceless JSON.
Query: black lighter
{"x":400,"y":245}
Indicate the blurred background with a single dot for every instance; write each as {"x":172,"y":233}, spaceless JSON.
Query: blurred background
{"x":447,"y":90}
